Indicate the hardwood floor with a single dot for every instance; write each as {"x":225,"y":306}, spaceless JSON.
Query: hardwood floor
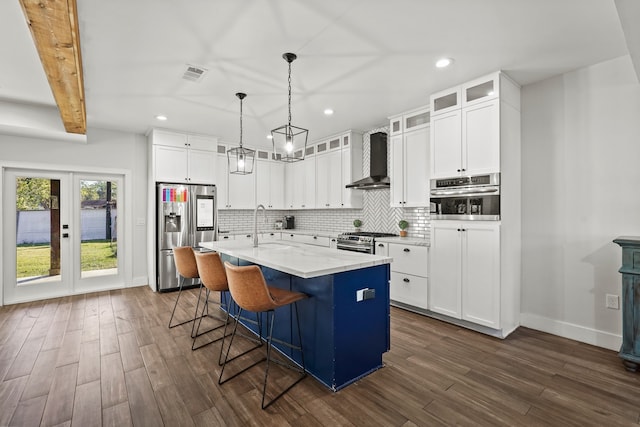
{"x":109,"y":359}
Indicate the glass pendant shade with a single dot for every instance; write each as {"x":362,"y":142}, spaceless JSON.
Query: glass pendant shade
{"x":289,"y":141}
{"x":240,"y":159}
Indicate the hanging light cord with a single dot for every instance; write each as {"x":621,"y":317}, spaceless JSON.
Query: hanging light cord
{"x":240,"y":122}
{"x":289,"y":94}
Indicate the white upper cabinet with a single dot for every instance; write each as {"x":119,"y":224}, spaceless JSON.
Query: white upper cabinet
{"x":269,"y":181}
{"x":234,"y":191}
{"x":178,"y":157}
{"x":465,"y":129}
{"x":222,"y":178}
{"x":351,"y":169}
{"x":338,"y":163}
{"x":303,"y":176}
{"x":409,"y":161}
{"x":446,"y":100}
{"x":329,"y":179}
{"x":480,"y":90}
{"x":446,"y":144}
{"x":481,"y":138}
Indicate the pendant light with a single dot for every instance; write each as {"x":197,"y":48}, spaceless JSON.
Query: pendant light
{"x":241,"y":159}
{"x":289,"y":142}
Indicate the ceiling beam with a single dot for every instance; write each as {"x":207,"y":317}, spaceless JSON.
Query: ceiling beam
{"x":54,"y":27}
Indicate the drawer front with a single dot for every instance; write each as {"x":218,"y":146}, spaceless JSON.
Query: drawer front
{"x":409,"y":289}
{"x":409,"y":259}
{"x":382,"y":249}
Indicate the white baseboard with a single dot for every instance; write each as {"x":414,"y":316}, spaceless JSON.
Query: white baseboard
{"x":569,"y":330}
{"x":138,"y":281}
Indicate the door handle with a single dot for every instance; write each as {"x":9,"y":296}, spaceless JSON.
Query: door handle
{"x":407,"y":250}
{"x":405,"y":280}
{"x":65,"y":235}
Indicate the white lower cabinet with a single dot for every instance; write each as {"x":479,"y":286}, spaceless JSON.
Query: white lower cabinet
{"x":409,"y":273}
{"x":273,"y":235}
{"x":465,"y":271}
{"x":310,"y":239}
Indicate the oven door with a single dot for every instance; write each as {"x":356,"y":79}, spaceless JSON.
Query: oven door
{"x":365,"y":248}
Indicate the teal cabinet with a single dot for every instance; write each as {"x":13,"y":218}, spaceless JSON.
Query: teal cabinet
{"x":630,"y":350}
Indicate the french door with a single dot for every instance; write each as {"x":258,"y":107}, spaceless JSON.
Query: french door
{"x":60,"y":234}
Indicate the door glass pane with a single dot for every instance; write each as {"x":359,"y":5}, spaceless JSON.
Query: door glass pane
{"x":37,"y":230}
{"x":445,"y":101}
{"x":98,"y":231}
{"x":480,"y":91}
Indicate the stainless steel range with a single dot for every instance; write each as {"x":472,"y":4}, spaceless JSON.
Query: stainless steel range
{"x":360,"y":241}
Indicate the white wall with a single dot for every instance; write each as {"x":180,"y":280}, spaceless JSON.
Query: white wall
{"x":104,"y":150}
{"x":581,"y":170}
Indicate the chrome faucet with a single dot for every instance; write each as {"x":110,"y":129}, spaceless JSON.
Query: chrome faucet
{"x":255,"y":223}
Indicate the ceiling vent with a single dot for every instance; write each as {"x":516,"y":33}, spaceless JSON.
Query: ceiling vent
{"x":194,"y":73}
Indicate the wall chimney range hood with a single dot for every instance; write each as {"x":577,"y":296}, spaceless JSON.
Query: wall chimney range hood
{"x":377,"y":167}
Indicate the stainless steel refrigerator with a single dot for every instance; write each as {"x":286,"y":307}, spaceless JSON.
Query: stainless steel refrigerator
{"x":186,"y":215}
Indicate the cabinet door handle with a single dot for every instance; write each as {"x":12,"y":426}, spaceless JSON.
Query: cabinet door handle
{"x":407,"y":250}
{"x":381,"y":245}
{"x":405,"y":280}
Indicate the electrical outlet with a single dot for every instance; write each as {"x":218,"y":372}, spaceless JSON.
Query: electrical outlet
{"x":613,"y":301}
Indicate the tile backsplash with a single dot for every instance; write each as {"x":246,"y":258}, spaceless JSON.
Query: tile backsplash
{"x":376,"y":214}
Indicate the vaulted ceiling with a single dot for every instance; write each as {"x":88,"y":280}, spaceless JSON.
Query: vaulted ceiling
{"x":365,"y":59}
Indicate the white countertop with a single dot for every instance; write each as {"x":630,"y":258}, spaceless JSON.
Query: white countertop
{"x":288,"y":231}
{"x":414,"y":241}
{"x":295,"y":258}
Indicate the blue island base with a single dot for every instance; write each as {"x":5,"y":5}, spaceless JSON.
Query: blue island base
{"x":343,"y":338}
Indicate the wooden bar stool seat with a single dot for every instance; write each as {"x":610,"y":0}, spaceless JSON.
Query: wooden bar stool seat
{"x":250,"y":292}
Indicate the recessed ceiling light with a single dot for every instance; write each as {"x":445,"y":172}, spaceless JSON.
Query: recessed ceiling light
{"x":269,"y":136}
{"x":328,"y":112}
{"x":161,"y":117}
{"x":444,"y":62}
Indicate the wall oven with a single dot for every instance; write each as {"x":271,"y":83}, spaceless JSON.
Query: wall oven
{"x":466,"y":198}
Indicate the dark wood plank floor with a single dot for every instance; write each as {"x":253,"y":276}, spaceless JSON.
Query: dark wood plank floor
{"x":109,"y":359}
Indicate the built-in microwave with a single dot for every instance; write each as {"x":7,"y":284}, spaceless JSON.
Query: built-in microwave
{"x":466,"y":198}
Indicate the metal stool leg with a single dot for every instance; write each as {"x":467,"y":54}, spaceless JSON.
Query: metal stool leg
{"x":198,"y":333}
{"x":176,"y":305}
{"x":226,"y":357}
{"x":303,"y":372}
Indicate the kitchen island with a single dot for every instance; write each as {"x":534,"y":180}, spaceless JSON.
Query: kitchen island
{"x":344,"y":322}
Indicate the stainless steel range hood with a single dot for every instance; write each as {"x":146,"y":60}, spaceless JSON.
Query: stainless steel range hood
{"x":377,"y":166}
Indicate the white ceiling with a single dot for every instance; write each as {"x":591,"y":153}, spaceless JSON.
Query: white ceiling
{"x":366,"y":59}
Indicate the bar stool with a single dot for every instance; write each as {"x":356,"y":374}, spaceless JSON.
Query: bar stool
{"x":214,"y":278}
{"x":187,"y":269}
{"x":251,"y":293}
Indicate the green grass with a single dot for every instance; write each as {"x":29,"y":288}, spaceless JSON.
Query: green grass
{"x":35,"y":260}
